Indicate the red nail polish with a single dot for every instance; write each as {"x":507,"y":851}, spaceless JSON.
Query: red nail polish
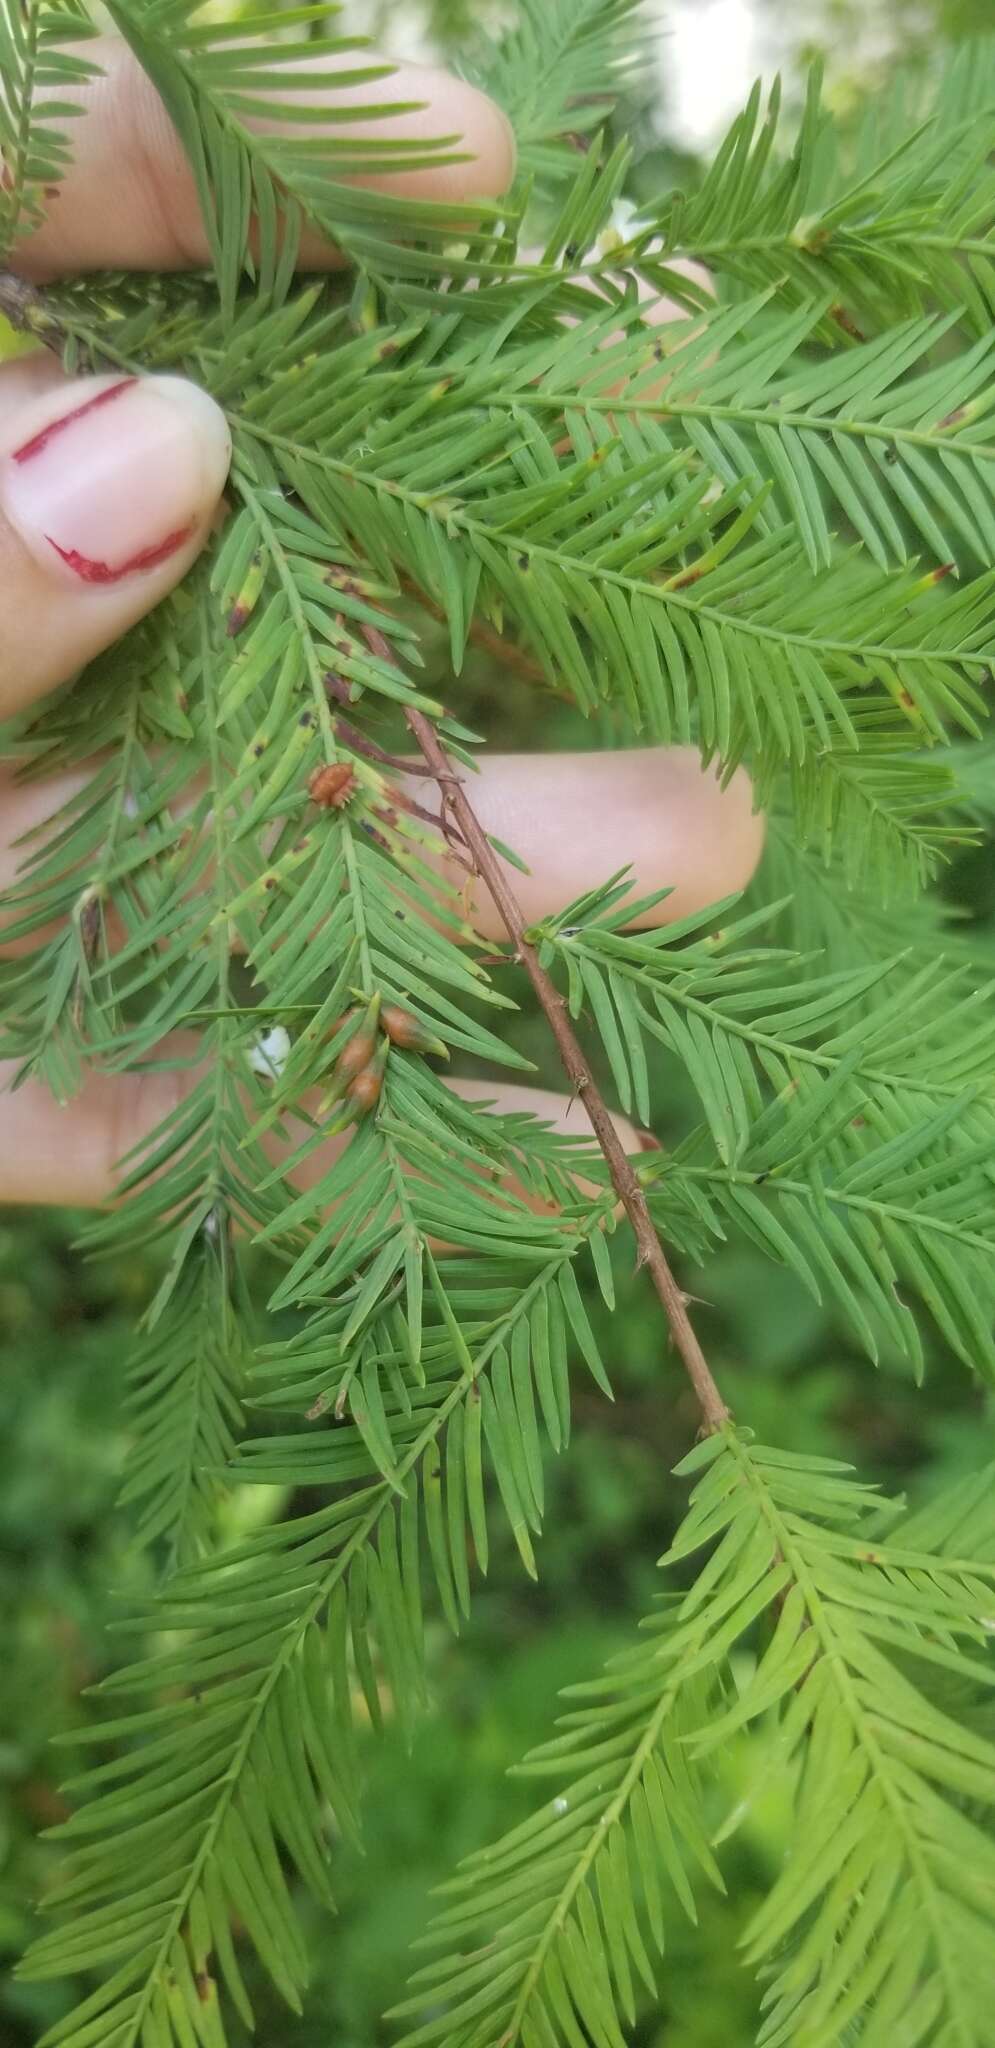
{"x":101,"y":572}
{"x":111,"y":478}
{"x":41,"y":440}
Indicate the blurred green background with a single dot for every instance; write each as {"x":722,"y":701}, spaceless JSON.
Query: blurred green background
{"x":65,"y":1327}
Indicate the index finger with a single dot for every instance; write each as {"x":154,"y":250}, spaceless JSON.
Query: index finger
{"x":129,"y":202}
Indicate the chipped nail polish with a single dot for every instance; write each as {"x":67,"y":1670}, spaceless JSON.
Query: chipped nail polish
{"x":31,"y":449}
{"x":107,"y":478}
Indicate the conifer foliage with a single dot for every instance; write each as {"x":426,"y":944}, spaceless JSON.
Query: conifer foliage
{"x":736,"y":532}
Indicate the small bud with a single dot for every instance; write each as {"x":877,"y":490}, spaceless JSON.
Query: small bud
{"x":356,"y":1055}
{"x":364,"y":1091}
{"x":404,"y":1030}
{"x":360,"y":1023}
{"x":358,"y":1073}
{"x":332,"y":786}
{"x":347,"y":1017}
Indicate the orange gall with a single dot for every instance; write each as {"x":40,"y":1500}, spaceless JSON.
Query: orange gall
{"x":356,"y":1055}
{"x":332,"y":786}
{"x":402,"y":1028}
{"x":364,"y":1091}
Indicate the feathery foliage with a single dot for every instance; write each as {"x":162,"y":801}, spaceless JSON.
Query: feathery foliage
{"x":902,"y":222}
{"x":220,"y":79}
{"x":766,"y":531}
{"x":35,"y":69}
{"x":558,"y":71}
{"x":856,"y":1625}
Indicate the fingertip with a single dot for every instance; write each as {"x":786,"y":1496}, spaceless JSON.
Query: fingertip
{"x":69,"y":1152}
{"x":692,"y":829}
{"x":206,"y":429}
{"x":495,"y":143}
{"x":109,"y":487}
{"x":574,"y":819}
{"x":107,"y":479}
{"x":129,"y":199}
{"x":730,"y":854}
{"x":484,"y":137}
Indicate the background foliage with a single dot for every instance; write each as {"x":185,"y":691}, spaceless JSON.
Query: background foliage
{"x":65,"y":1325}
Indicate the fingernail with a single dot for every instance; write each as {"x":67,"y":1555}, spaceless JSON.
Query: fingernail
{"x":647,"y":1142}
{"x":109,"y":477}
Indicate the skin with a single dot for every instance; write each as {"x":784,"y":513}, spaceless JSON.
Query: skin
{"x":129,"y":203}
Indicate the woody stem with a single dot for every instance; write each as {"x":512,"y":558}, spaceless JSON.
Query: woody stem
{"x":625,"y":1181}
{"x":26,"y":311}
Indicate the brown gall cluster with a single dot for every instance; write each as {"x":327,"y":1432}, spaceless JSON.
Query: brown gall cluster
{"x":359,"y":1068}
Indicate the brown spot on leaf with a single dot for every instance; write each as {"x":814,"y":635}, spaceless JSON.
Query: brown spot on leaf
{"x":842,"y":317}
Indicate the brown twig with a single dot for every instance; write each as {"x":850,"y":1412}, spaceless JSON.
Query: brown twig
{"x":361,"y":743}
{"x":624,"y":1179}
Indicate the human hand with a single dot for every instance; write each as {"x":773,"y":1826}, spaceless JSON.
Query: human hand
{"x":109,"y":489}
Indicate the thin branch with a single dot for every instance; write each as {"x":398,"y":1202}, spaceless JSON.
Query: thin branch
{"x":624,"y":1179}
{"x":25,"y":310}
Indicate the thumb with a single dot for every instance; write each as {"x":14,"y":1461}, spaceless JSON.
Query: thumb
{"x":108,"y":489}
